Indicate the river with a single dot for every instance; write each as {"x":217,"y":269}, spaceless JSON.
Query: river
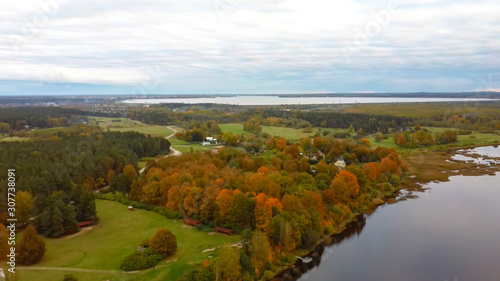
{"x":275,"y":100}
{"x":450,"y":232}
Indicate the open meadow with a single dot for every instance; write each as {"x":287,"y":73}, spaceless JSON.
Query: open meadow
{"x":97,"y":253}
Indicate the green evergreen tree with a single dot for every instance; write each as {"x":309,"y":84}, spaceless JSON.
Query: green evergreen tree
{"x":57,"y":223}
{"x":46,"y":221}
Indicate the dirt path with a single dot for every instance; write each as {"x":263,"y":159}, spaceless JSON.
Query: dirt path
{"x":173,"y":151}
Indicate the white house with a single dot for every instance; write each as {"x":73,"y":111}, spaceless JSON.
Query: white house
{"x":340,"y":163}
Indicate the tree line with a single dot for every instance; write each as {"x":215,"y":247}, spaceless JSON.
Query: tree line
{"x":56,"y":176}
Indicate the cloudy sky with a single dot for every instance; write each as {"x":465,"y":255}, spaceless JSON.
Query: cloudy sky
{"x":248,"y":46}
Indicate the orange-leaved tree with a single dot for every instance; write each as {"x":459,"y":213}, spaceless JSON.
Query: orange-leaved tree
{"x":346,"y":187}
{"x":224,"y":200}
{"x":31,"y":248}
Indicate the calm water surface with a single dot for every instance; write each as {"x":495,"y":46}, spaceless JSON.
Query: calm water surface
{"x":274,"y":100}
{"x":451,"y":232}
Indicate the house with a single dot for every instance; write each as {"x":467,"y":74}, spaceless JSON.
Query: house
{"x":210,"y":139}
{"x":340,"y":162}
{"x":205,"y":143}
{"x":320,"y":155}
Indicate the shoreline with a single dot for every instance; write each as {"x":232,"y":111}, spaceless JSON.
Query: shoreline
{"x":413,"y":182}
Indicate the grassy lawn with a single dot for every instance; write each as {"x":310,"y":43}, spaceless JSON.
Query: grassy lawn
{"x":185,"y":147}
{"x":235,"y":128}
{"x":287,"y":133}
{"x":462,"y":140}
{"x":147,"y":130}
{"x":127,"y":125}
{"x":141,"y":164}
{"x":14,"y":139}
{"x":196,"y":147}
{"x":108,"y":121}
{"x":117,"y":235}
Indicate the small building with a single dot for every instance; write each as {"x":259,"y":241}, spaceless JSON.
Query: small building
{"x":211,"y":139}
{"x":340,"y":163}
{"x":130,"y":208}
{"x":191,"y":222}
{"x":84,"y":223}
{"x":205,"y":143}
{"x":320,"y":155}
{"x":225,"y":231}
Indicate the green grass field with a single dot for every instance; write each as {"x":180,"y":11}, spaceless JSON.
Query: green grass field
{"x":462,"y":140}
{"x":235,"y":128}
{"x":127,"y":125}
{"x":108,"y":121}
{"x":7,"y":138}
{"x":147,"y":130}
{"x":185,"y":147}
{"x":287,"y":133}
{"x":119,"y":232}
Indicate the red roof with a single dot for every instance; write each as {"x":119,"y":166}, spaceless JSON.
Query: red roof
{"x":191,"y":222}
{"x":84,"y":223}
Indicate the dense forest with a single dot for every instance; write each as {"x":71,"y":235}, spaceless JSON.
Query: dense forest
{"x":40,"y":117}
{"x":56,"y":176}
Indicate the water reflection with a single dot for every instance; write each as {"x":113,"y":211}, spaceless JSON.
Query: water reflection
{"x":450,"y":232}
{"x":324,"y":250}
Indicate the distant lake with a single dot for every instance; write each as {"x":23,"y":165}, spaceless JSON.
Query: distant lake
{"x":275,"y":100}
{"x":451,"y":232}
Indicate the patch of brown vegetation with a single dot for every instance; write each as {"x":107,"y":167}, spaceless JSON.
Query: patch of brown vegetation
{"x":439,"y":166}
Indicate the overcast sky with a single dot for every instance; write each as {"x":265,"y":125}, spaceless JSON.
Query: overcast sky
{"x":248,"y":46}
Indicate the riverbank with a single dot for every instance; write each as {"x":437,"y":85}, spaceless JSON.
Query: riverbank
{"x":426,"y":167}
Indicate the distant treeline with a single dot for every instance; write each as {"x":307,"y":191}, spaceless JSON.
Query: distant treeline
{"x":41,"y":117}
{"x":230,"y":114}
{"x":369,"y":123}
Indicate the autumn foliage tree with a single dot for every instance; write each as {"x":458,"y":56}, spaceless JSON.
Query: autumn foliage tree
{"x":224,"y":201}
{"x":31,"y":248}
{"x":163,"y":242}
{"x":228,"y":267}
{"x":174,"y":198}
{"x":372,"y":170}
{"x":346,"y":187}
{"x":4,"y":247}
{"x":263,"y":212}
{"x":260,"y":250}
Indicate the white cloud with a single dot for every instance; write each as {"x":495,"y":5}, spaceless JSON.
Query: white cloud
{"x":266,"y":45}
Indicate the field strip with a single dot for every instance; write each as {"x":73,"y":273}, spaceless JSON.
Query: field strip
{"x":75,"y":270}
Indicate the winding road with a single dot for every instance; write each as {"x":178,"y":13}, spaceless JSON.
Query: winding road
{"x":173,"y":151}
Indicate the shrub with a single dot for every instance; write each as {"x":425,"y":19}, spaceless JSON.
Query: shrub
{"x":31,"y":247}
{"x":69,"y":277}
{"x":268,"y":275}
{"x":163,"y":242}
{"x":328,"y":229}
{"x":141,"y":260}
